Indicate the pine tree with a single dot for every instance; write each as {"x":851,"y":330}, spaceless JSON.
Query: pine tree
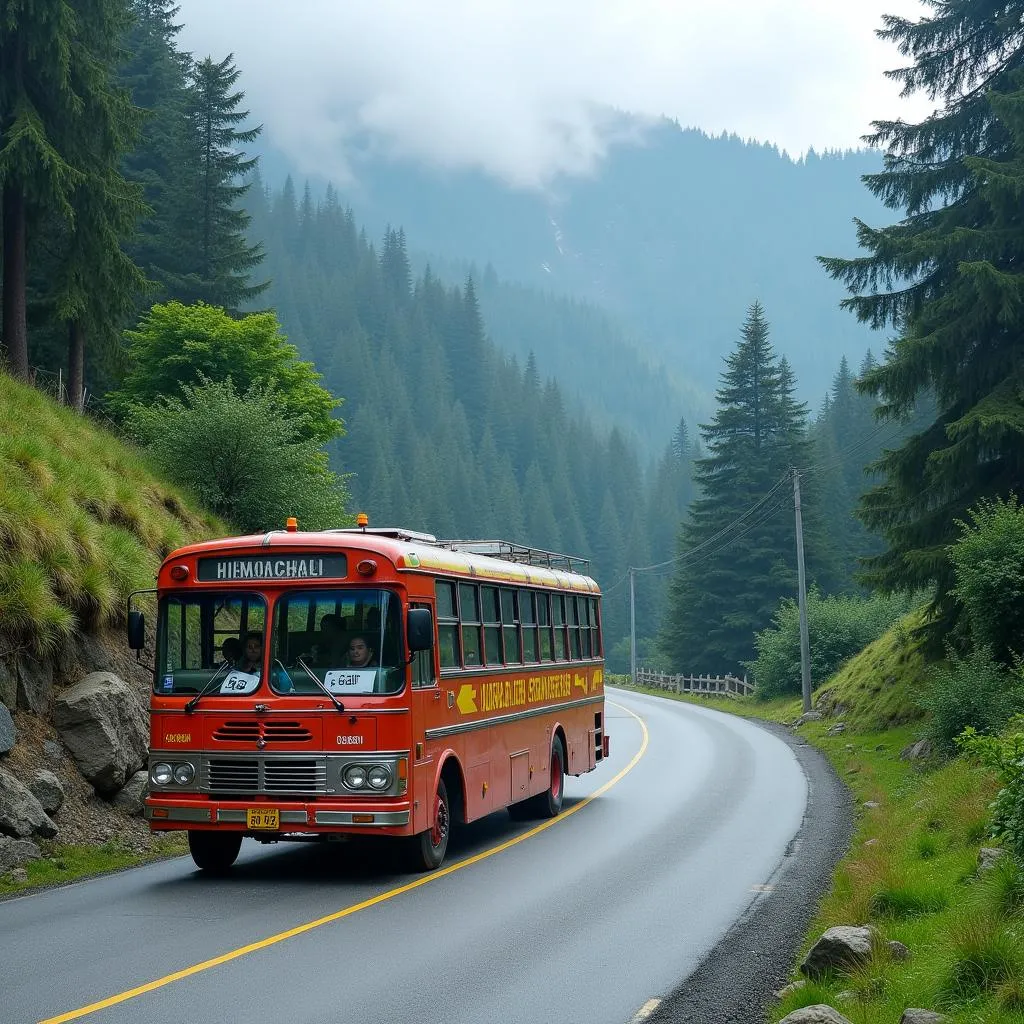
{"x":948,"y":278}
{"x":63,"y":129}
{"x":214,"y":261}
{"x":734,"y":568}
{"x":155,"y":73}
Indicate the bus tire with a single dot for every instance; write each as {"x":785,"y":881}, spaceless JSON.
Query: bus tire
{"x":549,"y":803}
{"x":429,"y":847}
{"x":214,"y":852}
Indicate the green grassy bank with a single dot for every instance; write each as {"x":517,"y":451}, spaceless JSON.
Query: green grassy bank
{"x":83,"y":522}
{"x":911,"y":870}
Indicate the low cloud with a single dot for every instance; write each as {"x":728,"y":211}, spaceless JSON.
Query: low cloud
{"x":527,"y":91}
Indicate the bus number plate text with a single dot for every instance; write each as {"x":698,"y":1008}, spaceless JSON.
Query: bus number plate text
{"x":263,"y":818}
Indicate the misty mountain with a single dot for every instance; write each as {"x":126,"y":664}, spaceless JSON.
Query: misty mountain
{"x":674,"y":236}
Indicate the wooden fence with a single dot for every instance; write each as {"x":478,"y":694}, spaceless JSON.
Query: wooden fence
{"x":693,"y":684}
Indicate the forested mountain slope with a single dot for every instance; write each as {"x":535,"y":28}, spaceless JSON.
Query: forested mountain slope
{"x":676,"y":236}
{"x":445,"y":433}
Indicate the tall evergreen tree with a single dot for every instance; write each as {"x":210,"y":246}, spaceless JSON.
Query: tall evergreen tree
{"x":948,"y":276}
{"x":728,"y":584}
{"x":214,"y":261}
{"x":63,"y":129}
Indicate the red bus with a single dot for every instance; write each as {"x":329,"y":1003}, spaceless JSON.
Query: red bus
{"x":367,"y":681}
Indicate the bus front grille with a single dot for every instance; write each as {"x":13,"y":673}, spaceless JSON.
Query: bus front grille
{"x":266,"y":774}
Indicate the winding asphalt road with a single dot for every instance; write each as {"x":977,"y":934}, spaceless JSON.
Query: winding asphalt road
{"x":589,"y":919}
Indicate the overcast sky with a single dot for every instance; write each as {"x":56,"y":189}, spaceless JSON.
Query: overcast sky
{"x":521,"y":88}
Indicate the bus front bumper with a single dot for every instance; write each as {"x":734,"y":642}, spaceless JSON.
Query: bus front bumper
{"x":169,"y":814}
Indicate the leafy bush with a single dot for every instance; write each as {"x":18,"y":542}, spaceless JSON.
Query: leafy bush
{"x":1005,"y":756}
{"x":243,"y":456}
{"x":988,"y":560}
{"x":838,"y":627}
{"x":177,"y":345}
{"x":972,"y":691}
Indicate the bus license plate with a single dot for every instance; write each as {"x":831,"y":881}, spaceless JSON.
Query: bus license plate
{"x":263,"y":818}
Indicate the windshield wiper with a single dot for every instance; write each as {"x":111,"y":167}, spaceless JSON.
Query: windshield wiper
{"x":316,"y":679}
{"x":208,"y":688}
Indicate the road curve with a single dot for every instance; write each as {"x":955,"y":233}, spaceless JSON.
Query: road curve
{"x":587,"y":920}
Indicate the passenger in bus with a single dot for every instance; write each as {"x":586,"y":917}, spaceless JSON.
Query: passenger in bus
{"x":360,"y":653}
{"x":231,"y":651}
{"x":329,"y":650}
{"x":252,"y":660}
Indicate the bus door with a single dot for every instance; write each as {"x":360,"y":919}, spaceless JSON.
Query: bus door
{"x":427,"y":711}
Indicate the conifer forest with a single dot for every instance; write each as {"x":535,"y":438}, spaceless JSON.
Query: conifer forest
{"x":165,"y":271}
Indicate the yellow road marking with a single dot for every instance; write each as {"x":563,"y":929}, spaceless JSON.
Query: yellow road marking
{"x":645,"y":1011}
{"x":272,"y":940}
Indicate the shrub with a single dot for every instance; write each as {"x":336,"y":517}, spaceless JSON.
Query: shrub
{"x":1005,"y":756}
{"x":973,"y":691}
{"x":243,"y":456}
{"x":987,"y":561}
{"x":839,"y":628}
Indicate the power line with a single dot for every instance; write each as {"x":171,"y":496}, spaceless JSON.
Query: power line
{"x":721,"y":533}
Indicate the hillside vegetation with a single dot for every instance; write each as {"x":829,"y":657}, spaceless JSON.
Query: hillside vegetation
{"x":83,"y":522}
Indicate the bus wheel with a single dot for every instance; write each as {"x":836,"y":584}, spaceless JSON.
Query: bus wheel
{"x":430,"y":847}
{"x":214,"y":852}
{"x":549,"y":803}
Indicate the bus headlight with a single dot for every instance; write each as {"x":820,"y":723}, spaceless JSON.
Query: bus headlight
{"x":355,"y":777}
{"x":184,"y":773}
{"x":378,"y":777}
{"x":161,"y":774}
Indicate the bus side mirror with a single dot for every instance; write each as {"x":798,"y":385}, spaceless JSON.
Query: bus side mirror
{"x":420,"y":629}
{"x":136,"y":631}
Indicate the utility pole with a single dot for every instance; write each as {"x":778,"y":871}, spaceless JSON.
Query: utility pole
{"x":632,"y":627}
{"x":805,"y":643}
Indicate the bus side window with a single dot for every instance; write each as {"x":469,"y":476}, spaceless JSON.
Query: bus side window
{"x":447,"y":625}
{"x":423,"y":664}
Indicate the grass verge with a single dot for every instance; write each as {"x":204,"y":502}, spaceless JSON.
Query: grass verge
{"x":83,"y":522}
{"x":62,"y":863}
{"x":911,"y":870}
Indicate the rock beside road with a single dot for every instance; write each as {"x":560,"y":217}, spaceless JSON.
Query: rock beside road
{"x":8,"y":734}
{"x":820,"y":1013}
{"x":915,"y":1016}
{"x":21,"y":814}
{"x":15,"y":852}
{"x":47,"y":789}
{"x":841,"y":948}
{"x":130,"y":798}
{"x":104,"y":726}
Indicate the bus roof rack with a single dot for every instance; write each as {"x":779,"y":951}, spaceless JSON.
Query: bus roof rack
{"x":518,"y":553}
{"x":395,"y":532}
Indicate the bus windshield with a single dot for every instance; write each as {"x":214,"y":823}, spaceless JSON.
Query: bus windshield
{"x":210,"y":643}
{"x":347,"y":640}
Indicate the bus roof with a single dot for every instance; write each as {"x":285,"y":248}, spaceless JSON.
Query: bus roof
{"x":501,"y":561}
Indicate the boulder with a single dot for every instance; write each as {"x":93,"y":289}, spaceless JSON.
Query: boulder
{"x":837,"y":730}
{"x":47,"y":789}
{"x":871,"y":805}
{"x":15,"y":852}
{"x":54,"y":751}
{"x":35,"y":685}
{"x":103,"y":724}
{"x":840,"y":948}
{"x":917,"y":751}
{"x":989,"y":857}
{"x":8,"y":686}
{"x":808,"y":716}
{"x":793,"y":986}
{"x":898,"y":951}
{"x":820,"y":1013}
{"x":8,"y":734}
{"x":18,"y":875}
{"x":914,"y":1016}
{"x":130,"y":799}
{"x":21,"y":814}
